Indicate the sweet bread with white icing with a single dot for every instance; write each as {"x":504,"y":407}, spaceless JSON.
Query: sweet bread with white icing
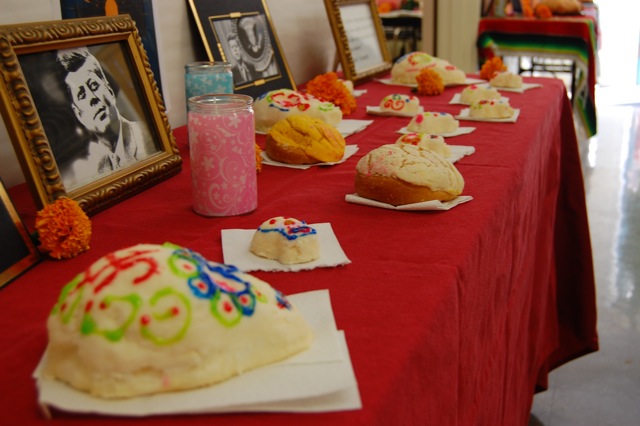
{"x":158,"y":318}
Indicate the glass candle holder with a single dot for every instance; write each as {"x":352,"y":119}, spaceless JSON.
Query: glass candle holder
{"x":204,"y":78}
{"x":222,"y":151}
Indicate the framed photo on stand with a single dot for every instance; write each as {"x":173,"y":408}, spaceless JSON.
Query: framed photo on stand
{"x":241,"y":32}
{"x":359,"y":37}
{"x":18,"y":251}
{"x":83,"y":110}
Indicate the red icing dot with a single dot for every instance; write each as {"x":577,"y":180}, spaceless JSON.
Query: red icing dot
{"x":228,"y":307}
{"x":243,"y":300}
{"x":175,"y":311}
{"x":88,"y":306}
{"x":145,"y":320}
{"x":103,"y":305}
{"x":64,"y":306}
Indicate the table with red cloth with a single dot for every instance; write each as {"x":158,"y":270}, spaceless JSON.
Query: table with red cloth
{"x":451,"y":318}
{"x":573,"y":38}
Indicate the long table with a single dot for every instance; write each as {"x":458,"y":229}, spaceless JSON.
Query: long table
{"x":573,"y":38}
{"x":451,"y":318}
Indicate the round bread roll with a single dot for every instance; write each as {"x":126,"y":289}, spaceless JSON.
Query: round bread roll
{"x":506,"y":79}
{"x":474,"y":93}
{"x":491,"y":108}
{"x":450,"y":73}
{"x":287,"y":240}
{"x":276,"y":105}
{"x":407,"y":67}
{"x":399,"y":103}
{"x":433,"y":122}
{"x":160,"y":318}
{"x":405,"y":174}
{"x":301,"y":139}
{"x":434,"y":143}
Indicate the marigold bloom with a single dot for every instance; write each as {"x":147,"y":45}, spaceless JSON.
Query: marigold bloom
{"x":491,"y":67}
{"x":429,"y":82}
{"x":328,"y":87}
{"x":64,"y":229}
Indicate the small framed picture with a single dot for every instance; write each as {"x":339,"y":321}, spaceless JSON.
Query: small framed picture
{"x":83,"y":110}
{"x":241,"y":32}
{"x":18,"y":252}
{"x":360,"y":39}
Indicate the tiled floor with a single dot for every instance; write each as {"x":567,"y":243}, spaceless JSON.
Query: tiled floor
{"x":603,"y":388}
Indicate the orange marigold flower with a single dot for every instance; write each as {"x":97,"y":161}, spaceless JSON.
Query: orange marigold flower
{"x":385,"y":7}
{"x":258,"y":158}
{"x":543,"y":11}
{"x":64,"y":229}
{"x":429,"y":82}
{"x":491,"y":67}
{"x":527,"y":10}
{"x":328,"y":87}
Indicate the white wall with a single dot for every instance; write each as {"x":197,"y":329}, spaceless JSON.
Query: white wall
{"x":457,"y":29}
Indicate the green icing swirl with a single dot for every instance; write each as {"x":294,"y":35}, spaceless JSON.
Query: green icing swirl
{"x":166,"y":316}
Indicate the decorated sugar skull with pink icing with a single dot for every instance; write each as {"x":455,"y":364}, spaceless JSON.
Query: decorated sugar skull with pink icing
{"x":428,"y":141}
{"x":433,"y":122}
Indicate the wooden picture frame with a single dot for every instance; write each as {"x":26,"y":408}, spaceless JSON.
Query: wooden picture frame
{"x":359,"y":37}
{"x":96,"y":132}
{"x":241,"y":32}
{"x":18,"y":251}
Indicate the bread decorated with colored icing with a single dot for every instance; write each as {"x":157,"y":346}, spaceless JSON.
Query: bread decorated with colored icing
{"x":428,"y":141}
{"x":406,"y":68}
{"x":507,"y":80}
{"x":491,"y":108}
{"x":277,"y":105}
{"x":302,"y":139}
{"x":450,"y":73}
{"x":287,"y":240}
{"x":399,"y":103}
{"x":433,"y":122}
{"x":401,"y":174}
{"x":158,"y":318}
{"x":473,"y":93}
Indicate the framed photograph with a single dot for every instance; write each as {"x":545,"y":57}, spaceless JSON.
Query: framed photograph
{"x":18,"y":252}
{"x":360,"y":39}
{"x":241,"y":32}
{"x":141,"y":12}
{"x":83,"y":110}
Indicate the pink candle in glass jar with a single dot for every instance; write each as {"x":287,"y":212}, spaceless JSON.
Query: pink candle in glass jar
{"x":222,"y":152}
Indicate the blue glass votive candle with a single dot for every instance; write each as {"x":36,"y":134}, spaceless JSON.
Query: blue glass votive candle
{"x":205,"y":78}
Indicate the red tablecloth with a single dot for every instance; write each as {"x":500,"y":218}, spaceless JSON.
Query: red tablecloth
{"x":451,"y":318}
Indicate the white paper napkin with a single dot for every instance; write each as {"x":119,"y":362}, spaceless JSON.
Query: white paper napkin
{"x":459,"y":151}
{"x":467,"y":81}
{"x":459,"y":131}
{"x":358,"y":92}
{"x":456,"y":99}
{"x":426,"y":205}
{"x":349,"y":150}
{"x":464,"y":115}
{"x":319,"y":379}
{"x":236,"y":242}
{"x":525,"y":87}
{"x":376,"y":110}
{"x":349,"y":127}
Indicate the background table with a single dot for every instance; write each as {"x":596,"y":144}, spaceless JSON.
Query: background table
{"x":571,"y":38}
{"x":451,"y":318}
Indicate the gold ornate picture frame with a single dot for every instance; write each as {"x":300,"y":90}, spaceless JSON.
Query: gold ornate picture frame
{"x":18,"y":251}
{"x":359,"y":37}
{"x":241,"y":32}
{"x":83,"y":111}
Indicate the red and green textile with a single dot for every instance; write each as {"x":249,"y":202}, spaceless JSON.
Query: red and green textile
{"x":572,"y":38}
